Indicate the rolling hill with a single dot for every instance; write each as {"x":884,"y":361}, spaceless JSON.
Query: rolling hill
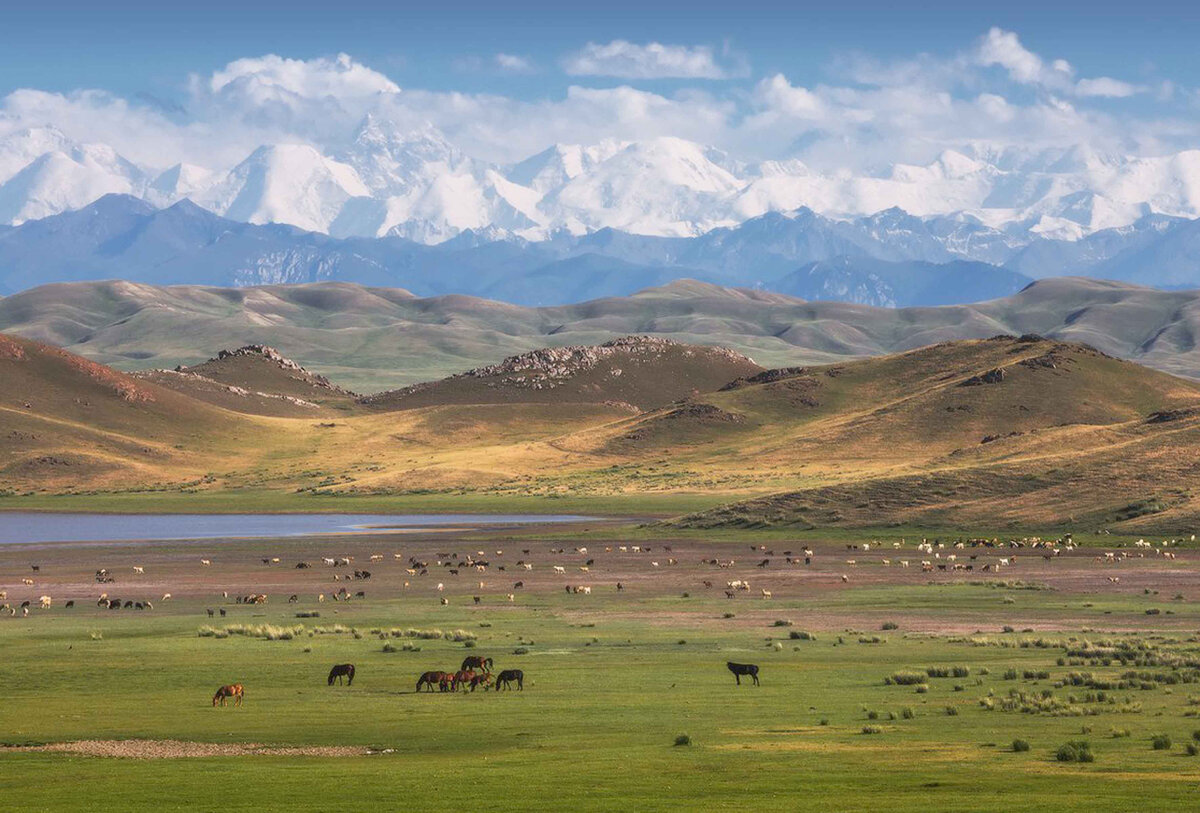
{"x":1022,"y":431}
{"x":373,"y":339}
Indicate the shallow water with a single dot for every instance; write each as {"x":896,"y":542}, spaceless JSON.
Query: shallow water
{"x":31,"y":528}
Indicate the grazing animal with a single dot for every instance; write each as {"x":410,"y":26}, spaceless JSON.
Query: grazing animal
{"x":766,"y":593}
{"x":445,"y":602}
{"x":206,"y":562}
{"x":222,"y":612}
{"x":462,"y":677}
{"x":138,"y":569}
{"x":70,"y":604}
{"x":484,"y":680}
{"x":504,"y":679}
{"x":739,"y":669}
{"x":234,"y":690}
{"x":342,"y":670}
{"x":211,"y":612}
{"x":166,"y":597}
{"x":293,"y":598}
{"x":428,"y":679}
{"x":476,"y":662}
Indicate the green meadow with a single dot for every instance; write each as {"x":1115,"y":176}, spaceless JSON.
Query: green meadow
{"x":611,"y":684}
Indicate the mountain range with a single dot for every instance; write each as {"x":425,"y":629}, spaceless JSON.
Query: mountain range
{"x":888,"y":259}
{"x":369,"y":339}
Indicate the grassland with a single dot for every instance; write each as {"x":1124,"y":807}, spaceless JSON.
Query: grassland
{"x":612,"y":679}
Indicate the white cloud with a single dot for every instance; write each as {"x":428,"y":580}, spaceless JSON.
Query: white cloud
{"x":268,"y":76}
{"x":513,"y":63}
{"x":1106,"y":87}
{"x":628,"y":60}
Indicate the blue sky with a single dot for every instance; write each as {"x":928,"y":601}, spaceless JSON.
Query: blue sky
{"x":858,"y":85}
{"x":131,"y":47}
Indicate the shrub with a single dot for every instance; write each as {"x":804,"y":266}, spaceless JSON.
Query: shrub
{"x":1192,"y":749}
{"x":96,"y":635}
{"x":683,"y":739}
{"x":728,"y":615}
{"x":1020,"y":746}
{"x":389,"y":647}
{"x":907,"y":713}
{"x":889,"y":625}
{"x":1160,"y":742}
{"x":782,"y":622}
{"x":1118,"y":733}
{"x":1075,"y":751}
{"x":872,"y":715}
{"x":469,"y":644}
{"x":923,"y":688}
{"x":520,"y":651}
{"x":1196,"y":735}
{"x":906,"y":678}
{"x":801,"y":635}
{"x":872,"y":729}
{"x":824,"y":721}
{"x":308,"y":614}
{"x":951,"y":711}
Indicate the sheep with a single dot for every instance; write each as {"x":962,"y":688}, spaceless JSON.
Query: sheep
{"x":320,"y":598}
{"x":445,"y":601}
{"x":376,"y":557}
{"x":587,"y":591}
{"x":560,"y":569}
{"x":44,"y":602}
{"x":845,"y":578}
{"x":766,"y":593}
{"x":530,"y":567}
{"x":206,"y":562}
{"x":512,"y":597}
{"x":28,"y":582}
{"x":441,"y":587}
{"x":166,"y":597}
{"x":138,"y":569}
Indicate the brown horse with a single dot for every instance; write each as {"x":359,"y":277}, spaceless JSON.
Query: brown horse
{"x":483,"y":679}
{"x":462,"y":677}
{"x":442,"y":679}
{"x":476,"y":662}
{"x":234,"y":690}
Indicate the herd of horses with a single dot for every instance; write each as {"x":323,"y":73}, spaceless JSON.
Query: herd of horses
{"x":476,"y":671}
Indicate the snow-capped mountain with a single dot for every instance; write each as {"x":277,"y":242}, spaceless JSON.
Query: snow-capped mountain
{"x":977,"y":202}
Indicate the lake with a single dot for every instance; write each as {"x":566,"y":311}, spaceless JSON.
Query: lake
{"x":32,"y":528}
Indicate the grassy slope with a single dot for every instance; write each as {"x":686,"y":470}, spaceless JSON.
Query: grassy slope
{"x":371,"y":339}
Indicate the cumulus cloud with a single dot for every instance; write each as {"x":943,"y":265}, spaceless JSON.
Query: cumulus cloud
{"x":994,"y":93}
{"x":627,"y":60}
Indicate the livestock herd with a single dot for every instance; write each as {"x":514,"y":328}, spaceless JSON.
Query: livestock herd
{"x":475,"y":672}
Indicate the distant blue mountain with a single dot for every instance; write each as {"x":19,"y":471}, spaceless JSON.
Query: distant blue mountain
{"x":889,"y":258}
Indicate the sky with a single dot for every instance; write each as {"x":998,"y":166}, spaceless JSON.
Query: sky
{"x":827,"y":83}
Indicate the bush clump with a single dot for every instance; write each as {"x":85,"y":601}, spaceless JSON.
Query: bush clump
{"x":872,"y":729}
{"x":1160,"y":742}
{"x":905,"y":678}
{"x":1075,"y":751}
{"x":683,"y":739}
{"x":1020,"y":746}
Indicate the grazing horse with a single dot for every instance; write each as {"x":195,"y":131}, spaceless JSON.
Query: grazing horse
{"x":342,"y":670}
{"x":505,"y":678}
{"x":740,"y":669}
{"x":234,"y":690}
{"x":462,"y":677}
{"x":483,"y":679}
{"x":476,"y":662}
{"x":431,"y":678}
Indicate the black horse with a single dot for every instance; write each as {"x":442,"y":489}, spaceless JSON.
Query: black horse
{"x":740,"y":669}
{"x":477,"y":662}
{"x":505,"y":678}
{"x":342,"y":670}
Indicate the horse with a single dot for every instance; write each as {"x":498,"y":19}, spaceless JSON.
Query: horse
{"x":476,"y":662}
{"x":345,"y":670}
{"x":740,"y":669}
{"x":505,"y":678}
{"x":234,"y":690}
{"x":483,"y":679}
{"x":463,"y":676}
{"x":430,"y":678}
